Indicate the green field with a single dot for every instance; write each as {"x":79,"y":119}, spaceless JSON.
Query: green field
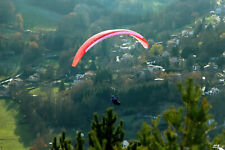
{"x":36,"y":17}
{"x":14,"y":134}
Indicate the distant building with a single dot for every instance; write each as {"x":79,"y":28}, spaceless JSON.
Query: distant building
{"x":212,"y":12}
{"x":159,"y":79}
{"x":151,"y":72}
{"x":117,"y":59}
{"x":127,"y":56}
{"x":221,"y":81}
{"x":175,"y":36}
{"x":89,"y":74}
{"x":196,"y":67}
{"x":176,"y":60}
{"x":173,"y":42}
{"x":212,"y":91}
{"x":165,"y":54}
{"x":187,"y":32}
{"x":34,"y":78}
{"x":125,"y":144}
{"x":155,"y":68}
{"x":211,"y":66}
{"x":159,"y":43}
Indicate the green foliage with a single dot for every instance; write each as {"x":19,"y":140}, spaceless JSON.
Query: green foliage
{"x":175,"y":51}
{"x":196,"y":119}
{"x":12,"y":125}
{"x":219,"y":139}
{"x":145,"y":134}
{"x":104,"y":135}
{"x":7,"y":12}
{"x":172,"y":139}
{"x":31,"y":53}
{"x":150,"y":136}
{"x":187,"y":130}
{"x":174,"y":117}
{"x":12,"y":43}
{"x":156,"y":50}
{"x":79,"y":142}
{"x":103,"y":76}
{"x":64,"y":144}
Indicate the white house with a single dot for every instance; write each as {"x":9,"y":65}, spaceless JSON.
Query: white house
{"x":187,"y":32}
{"x":155,"y":68}
{"x":127,"y":56}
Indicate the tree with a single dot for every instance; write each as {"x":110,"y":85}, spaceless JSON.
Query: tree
{"x":156,"y":50}
{"x":185,"y":131}
{"x":187,"y":51}
{"x":175,"y":51}
{"x":7,"y":12}
{"x":187,"y":128}
{"x":196,"y":119}
{"x":19,"y":21}
{"x":79,"y":141}
{"x":65,"y":143}
{"x":102,"y":76}
{"x":31,"y":53}
{"x":104,"y":135}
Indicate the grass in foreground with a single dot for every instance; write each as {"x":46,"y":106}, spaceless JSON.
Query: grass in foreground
{"x":14,"y":133}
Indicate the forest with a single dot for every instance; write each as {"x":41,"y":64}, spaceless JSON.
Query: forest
{"x":39,"y":38}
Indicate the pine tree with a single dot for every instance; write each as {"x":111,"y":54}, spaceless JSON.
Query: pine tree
{"x":219,"y":139}
{"x":196,"y":118}
{"x":187,"y":127}
{"x":150,"y":136}
{"x":79,"y":141}
{"x":104,"y":135}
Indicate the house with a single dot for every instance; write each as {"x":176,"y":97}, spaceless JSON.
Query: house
{"x":174,"y":36}
{"x":221,"y":81}
{"x":127,"y":56}
{"x":211,"y":66}
{"x":125,"y":144}
{"x":159,"y":43}
{"x":89,"y":74}
{"x":173,"y":42}
{"x":187,"y":32}
{"x":212,"y":91}
{"x":165,"y":54}
{"x":17,"y":82}
{"x":34,"y":78}
{"x":159,"y":79}
{"x":155,"y":68}
{"x":212,"y":12}
{"x":174,"y":60}
{"x":150,"y":72}
{"x":117,"y":59}
{"x":195,"y":67}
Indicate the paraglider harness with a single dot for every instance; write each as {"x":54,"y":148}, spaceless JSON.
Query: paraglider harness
{"x":115,"y":100}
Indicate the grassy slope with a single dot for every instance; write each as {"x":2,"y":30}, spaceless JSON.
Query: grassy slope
{"x":13,"y":135}
{"x":34,"y":16}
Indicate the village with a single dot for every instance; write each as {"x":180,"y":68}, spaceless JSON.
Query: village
{"x":151,"y":70}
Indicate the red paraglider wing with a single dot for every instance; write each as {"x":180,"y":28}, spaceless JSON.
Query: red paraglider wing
{"x":103,"y":35}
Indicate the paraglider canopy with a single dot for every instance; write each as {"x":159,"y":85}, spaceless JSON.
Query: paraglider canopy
{"x":104,"y":35}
